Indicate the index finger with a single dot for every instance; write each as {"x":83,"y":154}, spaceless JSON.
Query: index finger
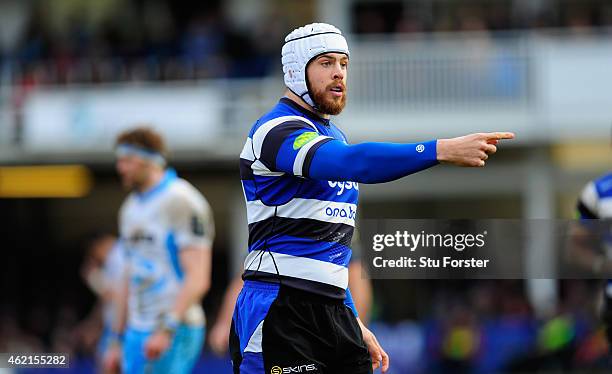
{"x":499,"y":135}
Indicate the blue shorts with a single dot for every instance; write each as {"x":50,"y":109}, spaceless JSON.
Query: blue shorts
{"x":180,"y":357}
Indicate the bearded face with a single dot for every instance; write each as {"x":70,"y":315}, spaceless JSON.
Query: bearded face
{"x":331,"y":99}
{"x":133,"y":172}
{"x":327,"y":82}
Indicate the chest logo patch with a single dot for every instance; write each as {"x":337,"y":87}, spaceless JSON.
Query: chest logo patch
{"x":303,"y":138}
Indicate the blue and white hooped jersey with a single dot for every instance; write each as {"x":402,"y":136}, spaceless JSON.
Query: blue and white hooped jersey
{"x":596,"y":199}
{"x":154,"y":227}
{"x":300,"y":229}
{"x":596,"y":203}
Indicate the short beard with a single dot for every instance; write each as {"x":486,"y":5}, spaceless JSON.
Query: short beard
{"x":328,"y":106}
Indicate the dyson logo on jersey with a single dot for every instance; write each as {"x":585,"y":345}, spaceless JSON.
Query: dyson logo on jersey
{"x":342,"y":212}
{"x":343,"y":186}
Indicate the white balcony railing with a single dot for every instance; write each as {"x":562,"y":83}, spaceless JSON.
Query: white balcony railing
{"x":442,"y":72}
{"x":544,"y":88}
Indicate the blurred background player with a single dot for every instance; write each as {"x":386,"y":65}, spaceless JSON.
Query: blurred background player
{"x":102,"y":271}
{"x":592,"y":244}
{"x":167,"y":231}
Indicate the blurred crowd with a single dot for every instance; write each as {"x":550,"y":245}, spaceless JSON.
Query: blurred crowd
{"x":406,"y":17}
{"x":161,"y":40}
{"x":464,"y":327}
{"x":491,"y":327}
{"x":139,"y":41}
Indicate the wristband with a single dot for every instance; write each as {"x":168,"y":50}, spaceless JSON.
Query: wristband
{"x":170,"y":323}
{"x":116,"y":338}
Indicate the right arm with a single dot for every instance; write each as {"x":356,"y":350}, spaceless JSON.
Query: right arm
{"x":296,"y":149}
{"x":384,"y":162}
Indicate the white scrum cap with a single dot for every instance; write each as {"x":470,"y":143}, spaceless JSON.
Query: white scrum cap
{"x":302,"y":45}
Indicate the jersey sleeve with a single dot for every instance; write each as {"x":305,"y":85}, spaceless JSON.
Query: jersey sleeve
{"x":288,"y":146}
{"x":587,"y":203}
{"x":191,"y":221}
{"x":371,"y":162}
{"x":115,"y":263}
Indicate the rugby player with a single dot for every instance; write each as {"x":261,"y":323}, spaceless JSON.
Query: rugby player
{"x":595,"y":203}
{"x":166,"y":229}
{"x":102,"y":271}
{"x":300,"y":179}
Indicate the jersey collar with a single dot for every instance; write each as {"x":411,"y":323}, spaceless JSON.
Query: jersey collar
{"x":169,"y":177}
{"x":303,"y":111}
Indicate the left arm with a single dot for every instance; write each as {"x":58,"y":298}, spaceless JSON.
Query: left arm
{"x":380,"y":358}
{"x":361,"y":289}
{"x":194,"y":231}
{"x":194,"y":234}
{"x":196,"y":264}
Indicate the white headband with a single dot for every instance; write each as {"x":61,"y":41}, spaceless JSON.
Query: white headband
{"x":132,"y":150}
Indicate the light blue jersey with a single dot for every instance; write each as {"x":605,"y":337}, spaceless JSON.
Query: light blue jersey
{"x":155,"y":226}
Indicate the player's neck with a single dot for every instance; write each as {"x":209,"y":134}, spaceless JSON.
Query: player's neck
{"x":299,"y":101}
{"x":154,"y":178}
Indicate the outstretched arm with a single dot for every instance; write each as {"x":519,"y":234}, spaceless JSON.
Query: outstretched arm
{"x":371,"y":162}
{"x":384,"y":162}
{"x":293,"y":147}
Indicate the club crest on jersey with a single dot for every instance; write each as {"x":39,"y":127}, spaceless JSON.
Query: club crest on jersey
{"x":343,"y":186}
{"x":303,"y":138}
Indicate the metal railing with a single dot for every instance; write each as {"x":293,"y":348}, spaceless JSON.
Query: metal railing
{"x":429,"y":75}
{"x":442,"y":72}
{"x":7,"y":123}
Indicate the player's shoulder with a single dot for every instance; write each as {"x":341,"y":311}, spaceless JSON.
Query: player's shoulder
{"x":591,"y":201}
{"x":339,"y":133}
{"x":603,"y":186}
{"x":182,"y":192}
{"x":279,"y":114}
{"x":181,"y":188}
